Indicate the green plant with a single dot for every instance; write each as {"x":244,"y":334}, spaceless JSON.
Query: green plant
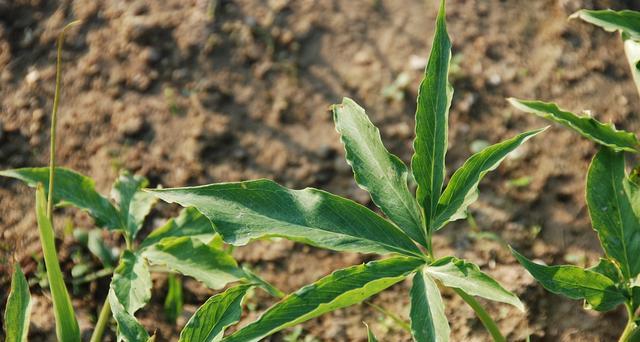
{"x":244,"y":211}
{"x":613,"y":198}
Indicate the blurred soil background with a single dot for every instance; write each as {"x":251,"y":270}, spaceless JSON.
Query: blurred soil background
{"x":201,"y":91}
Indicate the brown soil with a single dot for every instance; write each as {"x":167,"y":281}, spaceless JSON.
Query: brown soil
{"x":186,"y":96}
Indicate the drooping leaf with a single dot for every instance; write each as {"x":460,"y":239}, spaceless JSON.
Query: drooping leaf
{"x":460,"y":274}
{"x":190,"y":222}
{"x":129,"y":329}
{"x":134,"y":204}
{"x":608,"y":269}
{"x":173,"y":302}
{"x":18,"y":310}
{"x":376,"y":170}
{"x":66,"y":323}
{"x":214,"y":316}
{"x":191,"y":257}
{"x":428,"y":320}
{"x":131,"y":282}
{"x":254,"y":209}
{"x":340,"y":289}
{"x":613,"y":214}
{"x":590,"y":128}
{"x":432,"y":116}
{"x":462,"y":189}
{"x":370,"y":336}
{"x":73,"y":188}
{"x":625,"y":21}
{"x":576,"y":283}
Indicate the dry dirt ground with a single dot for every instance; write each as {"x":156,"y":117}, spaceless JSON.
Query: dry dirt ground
{"x":200,"y":91}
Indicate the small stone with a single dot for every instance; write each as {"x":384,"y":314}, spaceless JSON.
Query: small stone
{"x":132,"y":126}
{"x":494,"y":80}
{"x":417,"y":62}
{"x":32,"y":77}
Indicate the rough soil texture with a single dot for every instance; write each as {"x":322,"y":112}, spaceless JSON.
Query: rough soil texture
{"x":187,"y":95}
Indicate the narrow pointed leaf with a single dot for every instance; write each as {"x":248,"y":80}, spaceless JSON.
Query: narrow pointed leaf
{"x":18,"y":310}
{"x":263,"y":284}
{"x":191,"y":257}
{"x":190,"y":222}
{"x":250,"y":210}
{"x":590,"y":128}
{"x":428,"y":320}
{"x":173,"y":302}
{"x":576,"y":283}
{"x":376,"y":170}
{"x":338,"y":290}
{"x":625,"y":21}
{"x":214,"y":316}
{"x":613,"y":215}
{"x":466,"y":276}
{"x":134,"y":204}
{"x":129,"y":329}
{"x":66,"y":323}
{"x":370,"y":336}
{"x":432,"y":116}
{"x":462,"y":189}
{"x":73,"y":188}
{"x":131,"y":282}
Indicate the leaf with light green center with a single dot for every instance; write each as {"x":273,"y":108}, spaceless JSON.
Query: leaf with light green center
{"x":462,"y":189}
{"x":434,"y":100}
{"x":576,"y":283}
{"x":191,"y":257}
{"x":340,"y":289}
{"x":129,"y":329}
{"x":428,"y":320}
{"x":376,"y":170}
{"x":466,"y":276}
{"x":255,"y":209}
{"x":134,"y":204}
{"x":190,"y":222}
{"x":71,"y":187}
{"x":590,"y":128}
{"x":18,"y":310}
{"x":625,"y":21}
{"x":131,"y":282}
{"x":214,"y":316}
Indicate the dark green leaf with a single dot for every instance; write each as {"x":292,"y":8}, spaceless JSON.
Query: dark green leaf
{"x":624,"y":21}
{"x":173,"y":301}
{"x":129,"y":329}
{"x":134,"y":204}
{"x":428,"y":320}
{"x":608,"y":269}
{"x":18,"y":310}
{"x":263,"y":284}
{"x":190,"y":223}
{"x":261,"y":208}
{"x":131,"y":282}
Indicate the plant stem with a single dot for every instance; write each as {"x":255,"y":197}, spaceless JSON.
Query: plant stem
{"x":483,"y":315}
{"x":103,"y":319}
{"x":631,"y":325}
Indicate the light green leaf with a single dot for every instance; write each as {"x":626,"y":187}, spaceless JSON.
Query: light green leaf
{"x":134,"y":204}
{"x":576,"y":283}
{"x":625,"y":21}
{"x":129,"y":329}
{"x":18,"y":310}
{"x":214,"y":316}
{"x":462,"y":189}
{"x":613,"y":215}
{"x":632,"y":50}
{"x":66,"y":323}
{"x":191,"y":257}
{"x":173,"y":302}
{"x":190,"y":223}
{"x":131,"y":282}
{"x":428,"y":320}
{"x":432,"y":116}
{"x":376,"y":170}
{"x":370,"y":336}
{"x":73,"y":188}
{"x":608,"y":269}
{"x":588,"y":127}
{"x":466,"y":276}
{"x":93,"y":240}
{"x":338,"y":290}
{"x":262,"y":208}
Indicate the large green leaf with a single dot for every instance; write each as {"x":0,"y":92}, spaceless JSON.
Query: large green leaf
{"x":190,"y":223}
{"x":625,"y":21}
{"x":428,"y":320}
{"x":73,"y":188}
{"x":576,"y":283}
{"x":605,"y":134}
{"x":462,"y":189}
{"x":262,"y":208}
{"x":466,"y":276}
{"x":131,"y":282}
{"x":376,"y":170}
{"x":338,"y":290}
{"x":129,"y":329}
{"x":189,"y":256}
{"x":432,"y":116}
{"x":611,"y":197}
{"x":134,"y":204}
{"x":214,"y":316}
{"x":66,"y":323}
{"x":18,"y":310}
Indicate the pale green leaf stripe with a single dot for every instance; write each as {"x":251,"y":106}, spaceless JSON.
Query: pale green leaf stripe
{"x":463,"y":187}
{"x":129,"y":329}
{"x":66,"y":323}
{"x":434,"y":100}
{"x":18,"y":310}
{"x":466,"y":276}
{"x":370,"y":336}
{"x":625,"y":21}
{"x":73,"y":188}
{"x":214,"y":316}
{"x":590,"y":128}
{"x":262,"y":208}
{"x":340,"y":289}
{"x":428,"y":320}
{"x":576,"y":283}
{"x":190,"y":222}
{"x":134,"y":204}
{"x":612,"y":213}
{"x":376,"y":170}
{"x":131,"y":282}
{"x":191,"y":257}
